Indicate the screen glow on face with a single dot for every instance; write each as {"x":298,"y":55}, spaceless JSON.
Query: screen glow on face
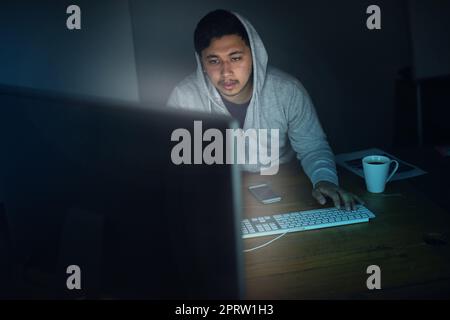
{"x":228,"y":63}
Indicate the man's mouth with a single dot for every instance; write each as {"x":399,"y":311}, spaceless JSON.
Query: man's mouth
{"x":229,"y":85}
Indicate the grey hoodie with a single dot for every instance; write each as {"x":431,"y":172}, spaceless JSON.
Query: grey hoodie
{"x":279,"y":101}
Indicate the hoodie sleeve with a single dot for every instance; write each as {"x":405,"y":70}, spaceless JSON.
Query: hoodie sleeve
{"x":308,"y":139}
{"x":174,"y":99}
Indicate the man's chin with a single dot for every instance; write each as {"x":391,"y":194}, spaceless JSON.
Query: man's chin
{"x":229,"y":94}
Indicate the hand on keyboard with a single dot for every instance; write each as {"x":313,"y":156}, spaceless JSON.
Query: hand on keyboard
{"x":340,"y":197}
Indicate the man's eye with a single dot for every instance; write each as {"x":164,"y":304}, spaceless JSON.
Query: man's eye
{"x":213,"y":61}
{"x":236,"y":58}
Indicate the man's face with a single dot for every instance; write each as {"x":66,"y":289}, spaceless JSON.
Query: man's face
{"x":228,"y":64}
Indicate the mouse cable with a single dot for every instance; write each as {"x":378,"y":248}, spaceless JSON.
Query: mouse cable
{"x":265,"y":244}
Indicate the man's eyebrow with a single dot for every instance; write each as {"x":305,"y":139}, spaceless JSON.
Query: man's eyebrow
{"x":209,"y":56}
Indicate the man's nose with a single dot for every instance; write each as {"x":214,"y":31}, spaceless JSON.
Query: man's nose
{"x":226,"y":68}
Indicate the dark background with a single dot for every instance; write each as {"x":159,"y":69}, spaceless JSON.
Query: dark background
{"x":139,"y":50}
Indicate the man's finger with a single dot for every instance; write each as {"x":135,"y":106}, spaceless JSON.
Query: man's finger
{"x":352,"y":204}
{"x":347,"y":199}
{"x":319,"y":196}
{"x":334,"y":195}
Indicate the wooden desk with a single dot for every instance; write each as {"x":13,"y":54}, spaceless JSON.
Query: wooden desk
{"x":331,"y":263}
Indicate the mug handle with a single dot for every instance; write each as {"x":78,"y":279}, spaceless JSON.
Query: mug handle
{"x":393,"y":171}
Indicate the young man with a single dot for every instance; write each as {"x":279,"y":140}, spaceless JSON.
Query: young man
{"x":233,"y":78}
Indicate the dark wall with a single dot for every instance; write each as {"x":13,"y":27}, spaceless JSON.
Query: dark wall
{"x":430,"y":33}
{"x":38,"y":51}
{"x":349,"y":70}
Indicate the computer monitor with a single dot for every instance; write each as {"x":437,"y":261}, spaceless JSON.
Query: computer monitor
{"x":92,"y":184}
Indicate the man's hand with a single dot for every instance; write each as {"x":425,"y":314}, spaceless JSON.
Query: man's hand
{"x":339,"y":196}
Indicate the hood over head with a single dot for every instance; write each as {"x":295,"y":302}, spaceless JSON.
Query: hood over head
{"x":260,"y":59}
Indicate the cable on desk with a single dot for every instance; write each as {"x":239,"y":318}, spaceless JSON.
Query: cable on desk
{"x":265,"y":244}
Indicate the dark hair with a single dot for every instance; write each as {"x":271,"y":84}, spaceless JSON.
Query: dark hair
{"x":216,"y":24}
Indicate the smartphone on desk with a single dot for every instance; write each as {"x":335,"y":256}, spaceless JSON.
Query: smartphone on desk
{"x":264,"y":193}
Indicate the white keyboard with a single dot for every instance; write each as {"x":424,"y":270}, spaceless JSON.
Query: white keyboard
{"x":303,"y":220}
